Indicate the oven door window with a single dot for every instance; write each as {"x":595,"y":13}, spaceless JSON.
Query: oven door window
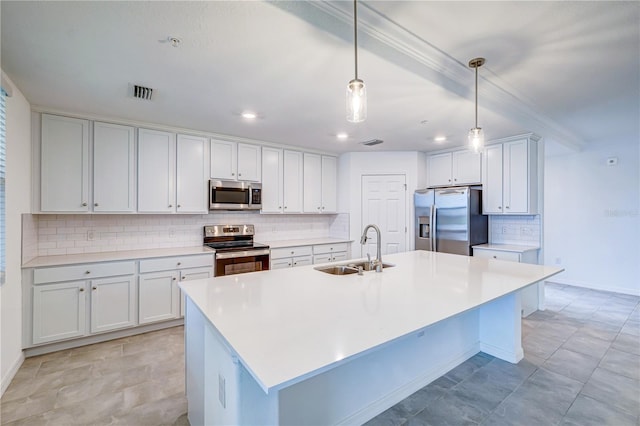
{"x":230,"y":195}
{"x":240,"y":265}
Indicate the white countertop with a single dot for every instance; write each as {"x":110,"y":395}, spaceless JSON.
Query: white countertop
{"x":507,"y":247}
{"x":290,"y":323}
{"x":108,"y":256}
{"x":304,"y":242}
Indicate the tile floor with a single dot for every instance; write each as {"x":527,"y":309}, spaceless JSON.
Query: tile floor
{"x":581,"y":367}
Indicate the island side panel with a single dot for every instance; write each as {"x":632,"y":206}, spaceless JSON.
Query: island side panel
{"x":194,"y":325}
{"x":359,"y":389}
{"x":501,"y":328}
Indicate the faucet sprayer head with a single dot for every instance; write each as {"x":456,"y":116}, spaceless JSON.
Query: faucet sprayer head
{"x":363,"y":239}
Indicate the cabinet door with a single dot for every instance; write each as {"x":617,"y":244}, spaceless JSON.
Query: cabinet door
{"x":497,"y":254}
{"x":281,"y":263}
{"x":158,"y":297}
{"x":272,"y":180}
{"x":292,"y":182}
{"x":156,"y":171}
{"x":113,"y":168}
{"x":329,"y":184}
{"x":466,"y":167}
{"x":64,"y":183}
{"x":224,"y":159}
{"x":302,"y":260}
{"x":191,"y":175}
{"x":340,"y":256}
{"x":193,"y":274}
{"x":516,"y":177}
{"x":113,"y":303}
{"x":439,"y":169}
{"x":312,"y":180}
{"x":59,"y":311}
{"x":249,"y":164}
{"x":492,"y":180}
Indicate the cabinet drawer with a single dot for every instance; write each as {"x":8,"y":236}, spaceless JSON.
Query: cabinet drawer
{"x":82,"y":272}
{"x":177,"y":262}
{"x":329,"y":248}
{"x":497,"y":254}
{"x":302,"y":261}
{"x":279,"y":253}
{"x":322,"y":258}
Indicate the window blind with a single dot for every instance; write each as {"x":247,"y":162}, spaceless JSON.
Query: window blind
{"x":3,"y":152}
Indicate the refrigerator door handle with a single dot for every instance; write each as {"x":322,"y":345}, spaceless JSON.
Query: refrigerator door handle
{"x":434,"y":212}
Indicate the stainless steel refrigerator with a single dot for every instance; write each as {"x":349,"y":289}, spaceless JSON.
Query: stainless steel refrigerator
{"x":449,"y":220}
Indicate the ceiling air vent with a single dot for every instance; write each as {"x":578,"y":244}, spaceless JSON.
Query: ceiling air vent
{"x":142,"y":92}
{"x":372,"y":142}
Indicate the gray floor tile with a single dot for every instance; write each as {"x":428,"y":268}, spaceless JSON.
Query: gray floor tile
{"x":419,"y":400}
{"x":449,"y":411}
{"x":627,"y":343}
{"x":622,"y":363}
{"x":584,"y":343}
{"x":589,"y":412}
{"x":573,"y":365}
{"x":540,"y":345}
{"x":467,"y":368}
{"x":394,"y":416}
{"x":632,"y":328}
{"x":613,"y":389}
{"x":599,"y":330}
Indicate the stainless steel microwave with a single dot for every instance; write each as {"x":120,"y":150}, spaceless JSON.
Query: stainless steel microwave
{"x":232,"y":195}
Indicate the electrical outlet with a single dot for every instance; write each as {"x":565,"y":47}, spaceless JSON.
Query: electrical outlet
{"x":505,"y":229}
{"x":526,"y":231}
{"x":91,"y":235}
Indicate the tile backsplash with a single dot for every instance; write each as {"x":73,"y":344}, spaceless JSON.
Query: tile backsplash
{"x":520,"y":230}
{"x":47,"y":235}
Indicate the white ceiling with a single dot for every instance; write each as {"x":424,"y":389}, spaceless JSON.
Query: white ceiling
{"x":569,"y":71}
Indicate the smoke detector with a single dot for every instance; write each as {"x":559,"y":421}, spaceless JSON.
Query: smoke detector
{"x":372,"y":142}
{"x":141,"y":92}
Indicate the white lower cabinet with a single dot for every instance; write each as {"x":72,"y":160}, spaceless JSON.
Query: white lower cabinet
{"x":531,"y":297}
{"x":61,"y":310}
{"x":113,"y":303}
{"x":289,"y":257}
{"x":323,"y":253}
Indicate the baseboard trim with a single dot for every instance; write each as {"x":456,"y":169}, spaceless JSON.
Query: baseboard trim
{"x":512,"y":357}
{"x":372,"y":410}
{"x":592,"y":286}
{"x":8,"y":377}
{"x":97,"y":338}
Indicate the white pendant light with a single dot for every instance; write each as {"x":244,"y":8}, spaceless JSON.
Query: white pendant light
{"x":476,"y":135}
{"x":356,"y":91}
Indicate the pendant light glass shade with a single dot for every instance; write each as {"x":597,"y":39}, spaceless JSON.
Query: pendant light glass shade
{"x":356,"y":101}
{"x":476,"y":135}
{"x":356,"y":91}
{"x":476,"y":139}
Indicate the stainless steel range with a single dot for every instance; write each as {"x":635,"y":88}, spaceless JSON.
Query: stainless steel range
{"x":236,"y":252}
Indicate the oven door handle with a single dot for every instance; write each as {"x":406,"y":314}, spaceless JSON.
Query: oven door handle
{"x":243,"y":253}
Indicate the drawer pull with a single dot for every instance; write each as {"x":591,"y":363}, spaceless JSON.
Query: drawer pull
{"x":179,"y":263}
{"x":495,"y":257}
{"x":84,"y":204}
{"x":174,"y":278}
{"x":87,"y":272}
{"x":81,"y":288}
{"x":95,"y":288}
{"x":96,"y":204}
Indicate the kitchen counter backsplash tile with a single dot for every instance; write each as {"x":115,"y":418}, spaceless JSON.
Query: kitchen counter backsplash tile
{"x":518,"y":230}
{"x":48,"y":235}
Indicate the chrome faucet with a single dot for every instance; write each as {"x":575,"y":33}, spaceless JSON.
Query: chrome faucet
{"x":363,"y":240}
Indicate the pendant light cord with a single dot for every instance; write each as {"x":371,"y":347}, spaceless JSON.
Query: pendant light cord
{"x":476,"y":96}
{"x":355,"y":34}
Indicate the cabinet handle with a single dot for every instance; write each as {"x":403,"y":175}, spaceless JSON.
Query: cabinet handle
{"x":178,"y":206}
{"x":322,"y":207}
{"x":84,"y":204}
{"x":291,"y":252}
{"x":295,"y":263}
{"x":289,"y":264}
{"x":449,"y":180}
{"x":318,"y":207}
{"x":495,"y":257}
{"x":233,"y":174}
{"x":507,"y":206}
{"x":170,"y":205}
{"x":455,"y":180}
{"x":174,"y":278}
{"x":179,"y":263}
{"x":500,"y":207}
{"x":81,"y":288}
{"x":96,"y":205}
{"x":285,"y":207}
{"x":95,"y":288}
{"x":239,"y":174}
{"x":87,"y":272}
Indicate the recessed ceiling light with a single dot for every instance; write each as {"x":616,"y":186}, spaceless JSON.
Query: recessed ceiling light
{"x":440,"y":138}
{"x":249,"y":115}
{"x":342,"y":136}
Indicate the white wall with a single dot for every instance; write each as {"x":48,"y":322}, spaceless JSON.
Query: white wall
{"x":592,"y":217}
{"x":352,"y":166}
{"x":18,"y":187}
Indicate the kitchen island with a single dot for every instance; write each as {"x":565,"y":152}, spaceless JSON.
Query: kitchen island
{"x":299,"y":346}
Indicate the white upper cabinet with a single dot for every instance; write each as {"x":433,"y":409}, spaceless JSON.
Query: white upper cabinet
{"x":114,"y":180}
{"x":191,"y":174}
{"x":319,"y":184}
{"x":510,"y":178}
{"x":281,"y":181}
{"x":292,"y":186}
{"x":156,"y":171}
{"x":272,"y":180}
{"x":454,"y":168}
{"x":64,"y":164}
{"x":235,"y":161}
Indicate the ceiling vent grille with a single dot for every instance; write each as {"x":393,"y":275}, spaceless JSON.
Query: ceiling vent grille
{"x":372,"y":142}
{"x":141,"y":92}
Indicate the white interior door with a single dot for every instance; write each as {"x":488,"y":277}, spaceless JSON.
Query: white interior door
{"x":384,"y":204}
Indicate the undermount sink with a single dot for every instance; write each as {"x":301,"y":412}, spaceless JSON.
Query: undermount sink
{"x":349,"y":268}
